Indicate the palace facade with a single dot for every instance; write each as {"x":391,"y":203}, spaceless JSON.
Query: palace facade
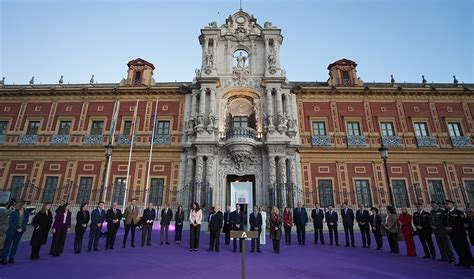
{"x":240,"y":132}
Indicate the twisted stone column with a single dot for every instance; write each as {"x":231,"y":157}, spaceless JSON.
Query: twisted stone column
{"x":282,"y":179}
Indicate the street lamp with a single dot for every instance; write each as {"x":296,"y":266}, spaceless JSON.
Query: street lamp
{"x":108,"y":153}
{"x":384,"y":155}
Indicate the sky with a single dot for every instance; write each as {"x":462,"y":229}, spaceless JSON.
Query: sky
{"x":78,"y":38}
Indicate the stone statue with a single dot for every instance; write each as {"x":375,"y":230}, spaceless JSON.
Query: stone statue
{"x":61,"y":80}
{"x":2,"y":82}
{"x":32,"y":80}
{"x":212,"y":120}
{"x":455,"y":81}
{"x":392,"y":80}
{"x":241,"y":60}
{"x":291,"y":124}
{"x":423,"y":80}
{"x":213,"y":24}
{"x":271,"y":60}
{"x":197,"y":72}
{"x":200,"y":120}
{"x":209,"y":59}
{"x":91,"y":81}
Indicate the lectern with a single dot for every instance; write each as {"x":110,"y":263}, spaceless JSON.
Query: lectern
{"x":243,"y":235}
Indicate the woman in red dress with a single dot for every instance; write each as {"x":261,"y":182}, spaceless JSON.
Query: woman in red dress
{"x":405,"y":222}
{"x":287,"y":224}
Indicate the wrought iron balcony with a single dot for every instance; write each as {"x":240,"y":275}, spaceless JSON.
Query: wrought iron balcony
{"x":162,"y":139}
{"x":321,"y":140}
{"x":125,"y":140}
{"x":28,"y":139}
{"x":60,"y":139}
{"x":392,"y":141}
{"x":241,"y":132}
{"x":3,"y":139}
{"x":461,"y":142}
{"x":426,"y":141}
{"x":356,"y":141}
{"x":93,"y":139}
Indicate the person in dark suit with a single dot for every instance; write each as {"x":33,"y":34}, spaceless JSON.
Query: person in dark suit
{"x":166,"y":217}
{"x":61,"y":225}
{"x":470,"y":224}
{"x":376,"y":224}
{"x":227,"y":225}
{"x":441,"y":235}
{"x":317,"y":215}
{"x":454,"y":221}
{"x":113,"y":217}
{"x":82,"y":220}
{"x":215,"y":225}
{"x":255,"y":221}
{"x":41,"y":226}
{"x":300,"y":218}
{"x":178,"y":224}
{"x":421,"y":221}
{"x":149,"y":216}
{"x":131,"y":221}
{"x":347,"y":215}
{"x":97,"y":218}
{"x":237,"y":225}
{"x":331,"y":221}
{"x":16,"y":228}
{"x":363,"y":219}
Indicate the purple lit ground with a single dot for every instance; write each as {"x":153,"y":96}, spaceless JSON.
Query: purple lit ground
{"x":175,"y":261}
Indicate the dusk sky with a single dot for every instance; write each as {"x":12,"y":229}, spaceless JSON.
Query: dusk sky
{"x":78,"y":38}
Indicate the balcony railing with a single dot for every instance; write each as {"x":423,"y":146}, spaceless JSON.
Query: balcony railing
{"x":3,"y":139}
{"x":60,"y":139}
{"x":125,"y":140}
{"x":461,"y":142}
{"x":321,"y":140}
{"x":392,"y":141}
{"x":426,"y":141}
{"x":28,"y":139}
{"x":162,"y":139}
{"x":356,"y":141}
{"x":241,"y":132}
{"x":93,"y":139}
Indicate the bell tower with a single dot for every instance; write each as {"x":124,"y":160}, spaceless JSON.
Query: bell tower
{"x":240,"y":118}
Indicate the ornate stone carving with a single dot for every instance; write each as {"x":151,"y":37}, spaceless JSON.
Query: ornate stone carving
{"x":199,"y":168}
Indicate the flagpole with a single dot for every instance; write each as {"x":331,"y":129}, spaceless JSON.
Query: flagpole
{"x":130,"y":157}
{"x":111,"y":142}
{"x":147,"y":188}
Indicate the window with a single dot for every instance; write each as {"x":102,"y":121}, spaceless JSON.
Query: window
{"x":85,"y":188}
{"x":469,"y":186}
{"x":421,"y":129}
{"x":64,"y":127}
{"x":3,"y":127}
{"x":127,"y":127}
{"x":32,"y":128}
{"x":18,"y":183}
{"x":156,"y":191}
{"x":454,"y":129}
{"x":138,"y":77}
{"x":50,"y":189}
{"x":325,"y":192}
{"x":346,"y":81}
{"x":386,"y":128}
{"x":163,"y":128}
{"x":119,"y":190}
{"x":363,"y":192}
{"x":97,"y":127}
{"x":436,"y":190}
{"x":353,"y":129}
{"x":240,"y":121}
{"x":319,"y":128}
{"x":400,"y":193}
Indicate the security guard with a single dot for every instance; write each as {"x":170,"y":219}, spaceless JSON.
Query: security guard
{"x":454,"y":223}
{"x":441,"y":235}
{"x":421,"y":221}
